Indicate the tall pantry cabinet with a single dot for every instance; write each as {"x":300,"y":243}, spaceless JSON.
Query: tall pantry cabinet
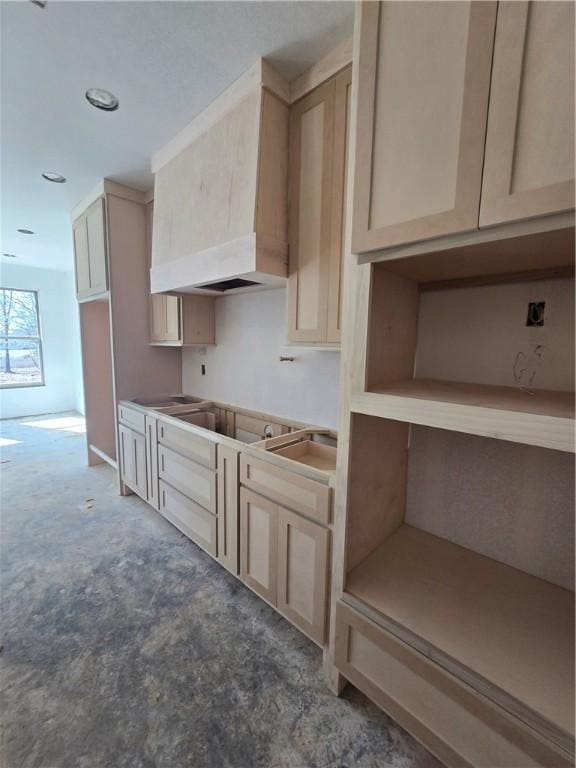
{"x":110,"y":236}
{"x":453,"y":566}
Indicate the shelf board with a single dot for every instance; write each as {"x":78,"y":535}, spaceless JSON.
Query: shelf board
{"x":541,"y":418}
{"x":508,"y":634}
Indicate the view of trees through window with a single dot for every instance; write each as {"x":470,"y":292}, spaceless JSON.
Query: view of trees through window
{"x":20,"y":342}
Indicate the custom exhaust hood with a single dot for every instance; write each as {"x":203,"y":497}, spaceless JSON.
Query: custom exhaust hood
{"x":220,"y":193}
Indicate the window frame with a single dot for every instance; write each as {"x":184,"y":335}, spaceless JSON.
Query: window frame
{"x":35,"y":339}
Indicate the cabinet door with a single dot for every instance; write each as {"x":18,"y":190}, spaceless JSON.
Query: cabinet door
{"x":81,"y":258}
{"x":133,"y":460}
{"x":96,"y":226}
{"x":311,"y":151}
{"x":152,"y":460}
{"x":343,"y":92}
{"x":228,"y":507}
{"x":127,"y":456}
{"x":421,"y":120}
{"x":157,"y":317}
{"x":302,"y":573}
{"x":140,"y":463}
{"x":258,"y":544}
{"x":172,"y":318}
{"x":529,"y":165}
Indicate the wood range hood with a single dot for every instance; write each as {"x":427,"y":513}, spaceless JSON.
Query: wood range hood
{"x":220,"y":193}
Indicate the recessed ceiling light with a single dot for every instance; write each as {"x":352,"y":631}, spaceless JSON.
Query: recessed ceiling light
{"x":57,"y":178}
{"x":102,"y":99}
{"x":9,"y":255}
{"x":25,"y":231}
{"x":39,"y":3}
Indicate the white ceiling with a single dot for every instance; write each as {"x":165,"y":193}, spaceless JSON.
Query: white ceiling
{"x":164,"y":60}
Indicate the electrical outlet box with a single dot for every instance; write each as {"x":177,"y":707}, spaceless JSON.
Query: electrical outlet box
{"x":535,"y":313}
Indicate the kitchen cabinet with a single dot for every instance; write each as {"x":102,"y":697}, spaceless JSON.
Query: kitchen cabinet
{"x":318,"y":147}
{"x":133,"y":460}
{"x":181,"y":320}
{"x":227,"y":504}
{"x":90,"y":251}
{"x":529,"y":165}
{"x":188,"y":477}
{"x":258,"y":544}
{"x":303,"y":573}
{"x":151,"y":425}
{"x":421,"y":119}
{"x":284,"y":558}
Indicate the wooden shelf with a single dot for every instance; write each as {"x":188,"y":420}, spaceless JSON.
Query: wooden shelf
{"x":541,"y":418}
{"x":508,"y":634}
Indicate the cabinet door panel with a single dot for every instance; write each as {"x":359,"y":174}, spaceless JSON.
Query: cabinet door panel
{"x":421,"y":118}
{"x":529,"y":166}
{"x":302,"y":573}
{"x":152,"y":460}
{"x":258,"y":544}
{"x":158,"y":317}
{"x":343,"y":93}
{"x":228,"y":508}
{"x":140,"y":464}
{"x":96,"y":226}
{"x":311,"y":151}
{"x":172,"y":310}
{"x":187,"y":443}
{"x":81,"y":258}
{"x":127,"y":456}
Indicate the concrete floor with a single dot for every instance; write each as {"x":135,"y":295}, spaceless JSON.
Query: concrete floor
{"x":125,"y":646}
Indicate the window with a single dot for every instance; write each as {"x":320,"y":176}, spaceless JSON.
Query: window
{"x":20,"y":341}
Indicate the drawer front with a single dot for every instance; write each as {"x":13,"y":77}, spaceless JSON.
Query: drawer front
{"x":189,"y":517}
{"x":287,"y":488}
{"x":454,"y":722}
{"x":192,"y":446}
{"x":191,"y":479}
{"x":132,"y":418}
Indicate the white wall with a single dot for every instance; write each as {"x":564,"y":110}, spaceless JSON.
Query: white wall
{"x":61,"y":344}
{"x":243,"y":368}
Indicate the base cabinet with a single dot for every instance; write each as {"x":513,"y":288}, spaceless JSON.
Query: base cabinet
{"x":133,"y":460}
{"x":284,"y":558}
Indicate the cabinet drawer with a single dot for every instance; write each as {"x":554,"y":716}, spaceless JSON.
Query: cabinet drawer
{"x":132,"y":418}
{"x":188,"y":444}
{"x":454,"y":722}
{"x":189,"y":517}
{"x":191,"y":479}
{"x":287,"y":488}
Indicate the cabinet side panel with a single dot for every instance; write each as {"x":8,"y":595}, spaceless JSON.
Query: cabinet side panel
{"x":272,"y":198}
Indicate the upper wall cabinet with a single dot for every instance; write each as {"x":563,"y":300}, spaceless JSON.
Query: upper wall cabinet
{"x":220,"y":192}
{"x":90,"y":251}
{"x":529,"y":165}
{"x":318,"y":145}
{"x":423,"y":87}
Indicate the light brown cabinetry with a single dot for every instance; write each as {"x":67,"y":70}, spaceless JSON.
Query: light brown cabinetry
{"x":90,"y":251}
{"x":188,"y":477}
{"x":318,"y":141}
{"x":284,"y":558}
{"x":189,"y":517}
{"x":133,"y":460}
{"x":465,"y":120}
{"x":422,"y":108}
{"x":181,"y":320}
{"x":529,"y":165}
{"x":228,"y":516}
{"x":151,"y":424}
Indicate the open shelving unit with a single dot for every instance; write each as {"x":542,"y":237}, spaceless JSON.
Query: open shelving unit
{"x":444,"y":472}
{"x":534,"y":417}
